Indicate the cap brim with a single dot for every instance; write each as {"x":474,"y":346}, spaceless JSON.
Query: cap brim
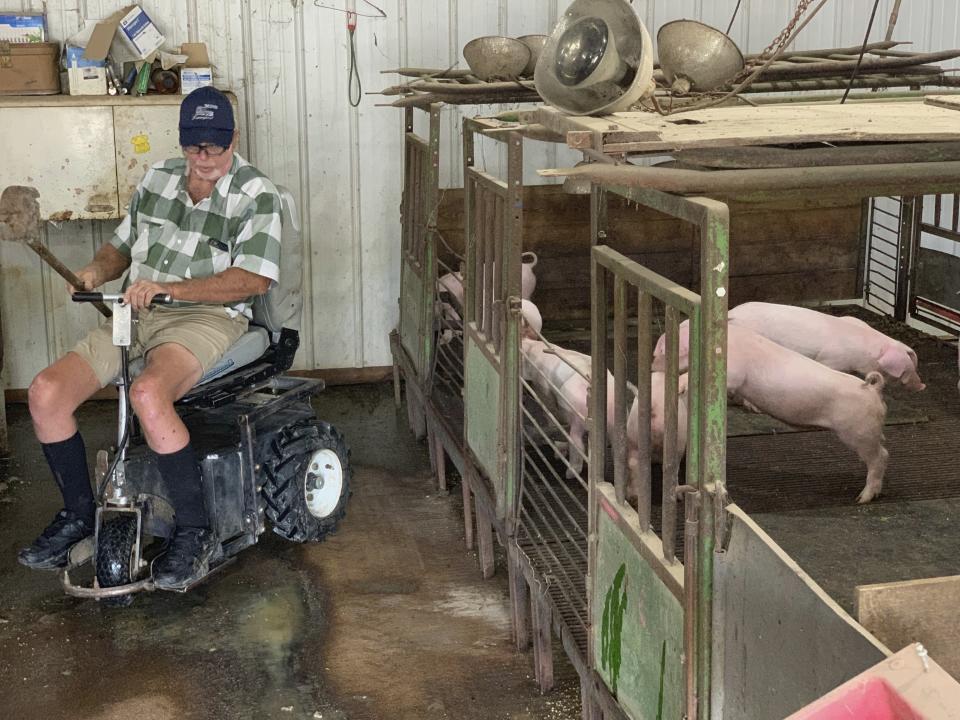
{"x":209,"y":136}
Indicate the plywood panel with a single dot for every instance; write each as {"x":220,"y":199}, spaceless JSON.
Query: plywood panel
{"x":923,"y":611}
{"x":781,"y":641}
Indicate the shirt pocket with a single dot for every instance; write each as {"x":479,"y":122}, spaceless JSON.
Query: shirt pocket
{"x":149,"y":237}
{"x":208,"y":260}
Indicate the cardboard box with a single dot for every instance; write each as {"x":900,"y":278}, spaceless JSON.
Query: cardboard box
{"x":23,"y":28}
{"x":80,"y":76}
{"x":132,"y":28}
{"x":196,"y":71}
{"x":193,"y":78}
{"x":29,"y":68}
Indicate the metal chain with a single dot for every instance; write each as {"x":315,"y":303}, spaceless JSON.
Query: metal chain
{"x":782,"y":38}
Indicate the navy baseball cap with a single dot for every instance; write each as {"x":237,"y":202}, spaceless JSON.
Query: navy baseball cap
{"x":206,"y":116}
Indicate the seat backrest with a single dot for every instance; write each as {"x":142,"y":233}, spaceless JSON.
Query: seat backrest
{"x":280,"y":307}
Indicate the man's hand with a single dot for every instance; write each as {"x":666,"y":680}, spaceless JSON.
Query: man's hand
{"x":140,"y":293}
{"x":90,"y":278}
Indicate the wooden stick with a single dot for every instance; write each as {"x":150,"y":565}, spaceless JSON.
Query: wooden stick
{"x":63,"y":271}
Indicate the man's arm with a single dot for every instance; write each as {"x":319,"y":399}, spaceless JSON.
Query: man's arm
{"x":108,"y":264}
{"x":230,"y":286}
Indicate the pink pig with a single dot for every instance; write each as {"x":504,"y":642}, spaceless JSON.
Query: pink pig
{"x":799,"y":391}
{"x":453,"y":284}
{"x":846,"y":344}
{"x":561,"y":378}
{"x":657,"y":417}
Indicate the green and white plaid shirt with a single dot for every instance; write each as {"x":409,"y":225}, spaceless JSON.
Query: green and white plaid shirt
{"x":168,"y":238}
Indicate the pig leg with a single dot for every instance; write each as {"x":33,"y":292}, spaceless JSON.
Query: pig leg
{"x":868,"y":444}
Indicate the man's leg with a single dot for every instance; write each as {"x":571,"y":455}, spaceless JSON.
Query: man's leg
{"x":54,"y":396}
{"x":170,"y":373}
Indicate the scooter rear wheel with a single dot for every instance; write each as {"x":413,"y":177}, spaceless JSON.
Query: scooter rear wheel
{"x":115,"y":559}
{"x":306,"y":481}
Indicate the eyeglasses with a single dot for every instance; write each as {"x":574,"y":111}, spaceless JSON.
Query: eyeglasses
{"x":210,"y":150}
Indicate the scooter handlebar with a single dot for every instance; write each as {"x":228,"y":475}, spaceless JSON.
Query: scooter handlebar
{"x":84,"y":296}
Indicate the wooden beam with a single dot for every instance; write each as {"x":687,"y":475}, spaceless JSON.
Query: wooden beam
{"x":924,"y":611}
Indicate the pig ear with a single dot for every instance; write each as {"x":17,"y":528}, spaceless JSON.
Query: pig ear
{"x":895,"y":362}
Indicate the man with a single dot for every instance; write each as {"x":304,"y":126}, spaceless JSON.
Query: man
{"x":204,"y":229}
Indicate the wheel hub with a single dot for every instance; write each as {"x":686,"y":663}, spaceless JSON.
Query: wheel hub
{"x":323,"y":483}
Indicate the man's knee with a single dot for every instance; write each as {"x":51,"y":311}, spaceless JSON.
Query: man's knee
{"x":149,"y":398}
{"x":45,"y":395}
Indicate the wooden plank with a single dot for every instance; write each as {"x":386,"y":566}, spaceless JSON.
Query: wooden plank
{"x":923,"y":611}
{"x":908,"y":679}
{"x":951,"y":102}
{"x":771,"y":124}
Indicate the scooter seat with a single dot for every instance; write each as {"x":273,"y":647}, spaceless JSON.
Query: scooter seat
{"x":250,"y":347}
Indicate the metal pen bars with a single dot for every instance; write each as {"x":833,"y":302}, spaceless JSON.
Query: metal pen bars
{"x":677,"y":302}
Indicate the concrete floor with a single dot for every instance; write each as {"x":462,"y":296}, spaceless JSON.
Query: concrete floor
{"x":387,"y":619}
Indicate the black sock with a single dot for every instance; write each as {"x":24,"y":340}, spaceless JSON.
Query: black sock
{"x":68,"y":462}
{"x":181,"y":475}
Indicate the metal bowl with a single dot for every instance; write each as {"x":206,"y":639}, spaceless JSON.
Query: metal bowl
{"x":535,"y":43}
{"x":496,"y":58}
{"x":694,"y":56}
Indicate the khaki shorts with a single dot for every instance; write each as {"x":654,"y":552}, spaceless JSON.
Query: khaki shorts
{"x":207,"y":331}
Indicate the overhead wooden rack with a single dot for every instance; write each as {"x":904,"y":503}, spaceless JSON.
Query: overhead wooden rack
{"x":935,"y":120}
{"x":802,"y":70}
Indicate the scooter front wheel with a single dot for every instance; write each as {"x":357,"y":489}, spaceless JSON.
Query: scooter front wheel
{"x":116,"y":556}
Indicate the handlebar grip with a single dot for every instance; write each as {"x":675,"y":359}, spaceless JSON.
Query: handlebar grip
{"x":85,"y":296}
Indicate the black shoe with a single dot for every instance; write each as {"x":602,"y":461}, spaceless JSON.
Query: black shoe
{"x":52,"y":548}
{"x":187,"y":559}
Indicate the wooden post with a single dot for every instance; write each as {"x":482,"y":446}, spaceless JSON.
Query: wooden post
{"x":542,"y":642}
{"x":485,"y":543}
{"x":589,"y":710}
{"x":519,"y":603}
{"x":4,"y":445}
{"x":440,"y":457}
{"x":467,"y":513}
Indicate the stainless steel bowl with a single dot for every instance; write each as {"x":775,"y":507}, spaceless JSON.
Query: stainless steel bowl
{"x":496,"y":58}
{"x":535,"y":43}
{"x":694,"y":56}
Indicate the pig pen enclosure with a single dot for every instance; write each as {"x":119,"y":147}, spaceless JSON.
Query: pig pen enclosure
{"x":665,"y":591}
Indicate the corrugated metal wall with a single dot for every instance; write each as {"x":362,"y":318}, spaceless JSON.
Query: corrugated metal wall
{"x":287,"y":62}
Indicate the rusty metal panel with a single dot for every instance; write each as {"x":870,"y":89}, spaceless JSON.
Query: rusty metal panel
{"x":145,"y":134}
{"x":780,"y":641}
{"x":60,"y":151}
{"x":637,"y":625}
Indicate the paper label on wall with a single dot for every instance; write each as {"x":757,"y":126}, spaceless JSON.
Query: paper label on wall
{"x":141,"y":144}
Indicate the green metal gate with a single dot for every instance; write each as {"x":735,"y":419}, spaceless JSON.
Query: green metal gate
{"x":651,"y":615}
{"x":494,"y":222}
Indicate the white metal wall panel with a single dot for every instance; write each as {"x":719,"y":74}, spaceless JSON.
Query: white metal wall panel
{"x":287,"y":62}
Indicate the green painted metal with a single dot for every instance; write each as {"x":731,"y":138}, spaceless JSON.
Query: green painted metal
{"x":639,"y":628}
{"x":411,"y":313}
{"x":706,"y":448}
{"x":715,"y":264}
{"x":494,"y":230}
{"x":482,"y":409}
{"x":508,"y":500}
{"x":418,"y":219}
